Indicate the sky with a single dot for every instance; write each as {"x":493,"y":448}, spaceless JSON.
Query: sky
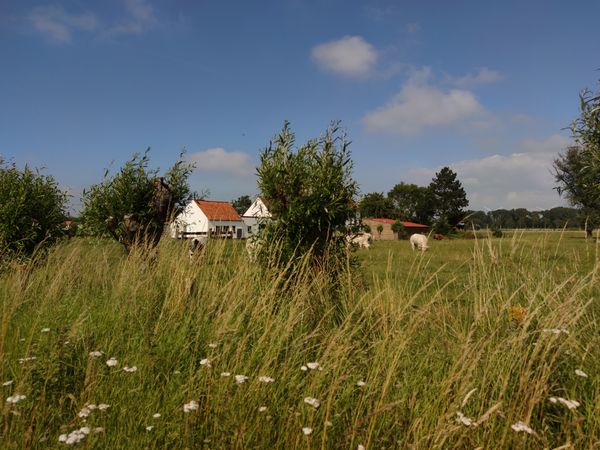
{"x":488,"y":89}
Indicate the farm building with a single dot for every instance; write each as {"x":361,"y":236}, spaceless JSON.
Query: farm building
{"x":255,"y":216}
{"x":208,"y":218}
{"x":387,"y":234}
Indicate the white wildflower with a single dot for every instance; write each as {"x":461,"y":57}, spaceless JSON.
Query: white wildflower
{"x":76,"y":436}
{"x":225,"y":374}
{"x":580,"y":373}
{"x":571,"y":404}
{"x":461,"y":418}
{"x":91,"y":406}
{"x":130,"y":369}
{"x":16,"y":398}
{"x":177,"y":372}
{"x":556,"y":330}
{"x":112,"y":362}
{"x":307,"y":430}
{"x":45,"y":330}
{"x":85,"y":411}
{"x":360,"y":447}
{"x":521,"y":426}
{"x":328,"y":423}
{"x":156,"y":415}
{"x":95,"y":354}
{"x":241,"y":379}
{"x":8,"y":383}
{"x":149,"y":428}
{"x":213,"y":345}
{"x":103,"y":406}
{"x":360,"y":383}
{"x":98,"y":430}
{"x":262,"y":409}
{"x":84,"y":430}
{"x":205,"y":362}
{"x":314,"y":366}
{"x":303,"y":368}
{"x":191,"y":406}
{"x":26,"y":359}
{"x":264,"y":379}
{"x":312,"y":402}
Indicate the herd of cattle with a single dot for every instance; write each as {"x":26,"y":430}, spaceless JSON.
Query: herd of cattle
{"x":362,"y":240}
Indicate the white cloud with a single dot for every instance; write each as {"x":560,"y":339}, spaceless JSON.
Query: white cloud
{"x":58,"y":25}
{"x":483,"y":76}
{"x":420,"y":105}
{"x":519,"y":180}
{"x":349,"y":56}
{"x":220,"y":160}
{"x":141,"y":18}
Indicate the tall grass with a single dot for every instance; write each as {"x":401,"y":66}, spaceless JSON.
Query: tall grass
{"x":430,"y":335}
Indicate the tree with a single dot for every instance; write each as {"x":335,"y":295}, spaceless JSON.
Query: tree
{"x":375,"y":204}
{"x":577,"y":171}
{"x":32,"y":210}
{"x":134,"y":204}
{"x":399,"y":229}
{"x":450,"y":198}
{"x":412,"y":202}
{"x":241,"y":204}
{"x":310,"y":192}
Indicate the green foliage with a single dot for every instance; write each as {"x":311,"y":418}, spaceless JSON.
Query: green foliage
{"x":310,"y":193}
{"x":413,"y":203}
{"x":241,"y":204}
{"x":133,"y":205}
{"x":399,"y":229}
{"x":366,"y":228}
{"x":577,"y":171}
{"x":450,"y":198}
{"x":32,"y":210}
{"x":376,"y":205}
{"x":441,"y":226}
{"x":379,"y":229}
{"x":497,"y":232}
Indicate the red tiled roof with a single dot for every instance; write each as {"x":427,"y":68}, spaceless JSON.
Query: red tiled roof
{"x":218,"y":210}
{"x":406,"y":224}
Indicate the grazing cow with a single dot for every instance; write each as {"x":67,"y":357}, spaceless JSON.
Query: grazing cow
{"x":253,"y":247}
{"x":419,"y":241}
{"x":438,"y":237}
{"x":196,"y":246}
{"x":360,"y":239}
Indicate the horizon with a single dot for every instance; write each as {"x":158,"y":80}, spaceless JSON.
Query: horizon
{"x":485,"y":89}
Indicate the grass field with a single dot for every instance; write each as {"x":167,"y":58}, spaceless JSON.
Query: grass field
{"x":447,"y":349}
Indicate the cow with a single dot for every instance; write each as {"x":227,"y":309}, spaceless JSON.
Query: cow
{"x":360,"y":239}
{"x":196,"y":245}
{"x":438,"y":237}
{"x":418,"y":241}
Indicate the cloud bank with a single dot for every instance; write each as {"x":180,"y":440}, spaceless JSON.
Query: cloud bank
{"x":223,"y":161}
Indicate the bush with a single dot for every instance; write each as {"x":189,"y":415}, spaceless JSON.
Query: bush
{"x":133,"y":205}
{"x":399,"y":229}
{"x":32,"y":210}
{"x":442,"y":227}
{"x":310,"y":193}
{"x":497,"y":232}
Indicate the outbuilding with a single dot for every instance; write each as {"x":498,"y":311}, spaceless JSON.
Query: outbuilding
{"x":387,"y":234}
{"x":208,"y":218}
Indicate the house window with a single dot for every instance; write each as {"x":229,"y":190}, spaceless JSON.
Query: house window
{"x":249,"y":230}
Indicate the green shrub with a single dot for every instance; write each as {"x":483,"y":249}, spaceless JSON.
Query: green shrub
{"x":310,"y":193}
{"x":32,"y":210}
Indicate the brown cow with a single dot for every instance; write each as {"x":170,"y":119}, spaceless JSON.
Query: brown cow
{"x":438,"y":237}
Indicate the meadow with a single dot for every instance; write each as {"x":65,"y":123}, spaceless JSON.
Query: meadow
{"x":481,"y":343}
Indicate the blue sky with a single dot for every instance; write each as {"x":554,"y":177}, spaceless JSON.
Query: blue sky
{"x":486,"y":88}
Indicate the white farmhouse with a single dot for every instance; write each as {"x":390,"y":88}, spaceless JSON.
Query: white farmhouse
{"x":256,"y":216}
{"x":208,"y":218}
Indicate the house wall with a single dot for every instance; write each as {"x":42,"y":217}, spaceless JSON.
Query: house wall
{"x":255,"y":216}
{"x":193,"y":222}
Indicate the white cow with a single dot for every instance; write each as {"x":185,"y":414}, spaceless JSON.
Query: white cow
{"x":197,"y":244}
{"x":419,"y":241}
{"x":360,"y":239}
